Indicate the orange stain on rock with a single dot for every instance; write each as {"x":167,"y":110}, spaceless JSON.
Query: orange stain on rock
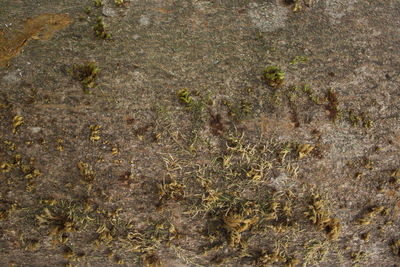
{"x":46,"y":24}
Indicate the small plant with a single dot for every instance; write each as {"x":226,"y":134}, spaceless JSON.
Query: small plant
{"x":303,"y":150}
{"x":185,"y":97}
{"x":17,"y":122}
{"x":318,"y":214}
{"x":86,"y":74}
{"x":98,"y":3}
{"x":274,"y":76}
{"x":119,"y":2}
{"x":298,"y":59}
{"x":62,"y":221}
{"x":354,"y":119}
{"x":170,"y":191}
{"x":372,"y":212}
{"x":94,"y":135}
{"x":396,"y":247}
{"x":100,"y":29}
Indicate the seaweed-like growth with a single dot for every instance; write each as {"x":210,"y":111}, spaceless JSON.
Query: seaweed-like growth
{"x":17,"y":122}
{"x":87,"y":172}
{"x":319,"y":216}
{"x":372,"y":212}
{"x":396,"y":247}
{"x":267,"y":259}
{"x":274,"y":76}
{"x":170,"y":191}
{"x":235,"y":223}
{"x":298,"y":59}
{"x":333,"y":105}
{"x":86,"y":74}
{"x":185,"y":97}
{"x":100,"y":29}
{"x":147,"y":242}
{"x":151,"y":260}
{"x":60,"y":224}
{"x":303,"y":150}
{"x":95,"y":130}
{"x":231,"y":216}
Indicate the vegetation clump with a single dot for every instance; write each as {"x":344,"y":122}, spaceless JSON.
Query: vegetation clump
{"x":100,"y":29}
{"x":17,"y":122}
{"x":62,"y":219}
{"x":184,"y":97}
{"x":318,"y":214}
{"x":170,"y":191}
{"x":86,"y":74}
{"x":333,"y":105}
{"x":396,"y":247}
{"x":119,"y":2}
{"x":298,"y":59}
{"x":372,"y":212}
{"x":274,"y":76}
{"x":98,"y":3}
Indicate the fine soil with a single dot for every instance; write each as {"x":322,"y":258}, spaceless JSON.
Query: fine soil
{"x":199,"y":133}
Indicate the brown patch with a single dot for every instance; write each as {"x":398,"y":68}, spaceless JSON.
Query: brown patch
{"x":319,"y":150}
{"x":126,"y":179}
{"x":217,"y":127}
{"x":47,"y":24}
{"x":333,"y":105}
{"x":130,"y":121}
{"x":163,"y":10}
{"x":280,"y":125}
{"x":294,"y":117}
{"x":391,"y":193}
{"x":142,"y":130}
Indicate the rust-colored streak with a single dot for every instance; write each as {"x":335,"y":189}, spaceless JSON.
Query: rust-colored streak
{"x":46,"y":24}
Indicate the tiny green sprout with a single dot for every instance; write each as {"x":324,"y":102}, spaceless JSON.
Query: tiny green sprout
{"x":274,"y":76}
{"x":299,"y":59}
{"x":119,"y":2}
{"x":367,"y":123}
{"x":277,"y":98}
{"x":100,"y":29}
{"x":354,"y":119}
{"x":98,"y":3}
{"x":246,"y":107}
{"x":307,"y":90}
{"x":87,"y":10}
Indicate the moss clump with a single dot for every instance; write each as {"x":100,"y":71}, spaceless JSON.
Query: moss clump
{"x":371,"y":214}
{"x":354,"y":119}
{"x":17,"y":122}
{"x":274,"y":76}
{"x":298,"y":59}
{"x":86,"y":74}
{"x":185,"y":98}
{"x":119,"y":2}
{"x":318,"y":214}
{"x":98,"y":3}
{"x":170,"y":191}
{"x":396,"y":247}
{"x":100,"y":29}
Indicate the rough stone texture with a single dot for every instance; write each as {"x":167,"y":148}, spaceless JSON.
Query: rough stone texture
{"x":160,"y":47}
